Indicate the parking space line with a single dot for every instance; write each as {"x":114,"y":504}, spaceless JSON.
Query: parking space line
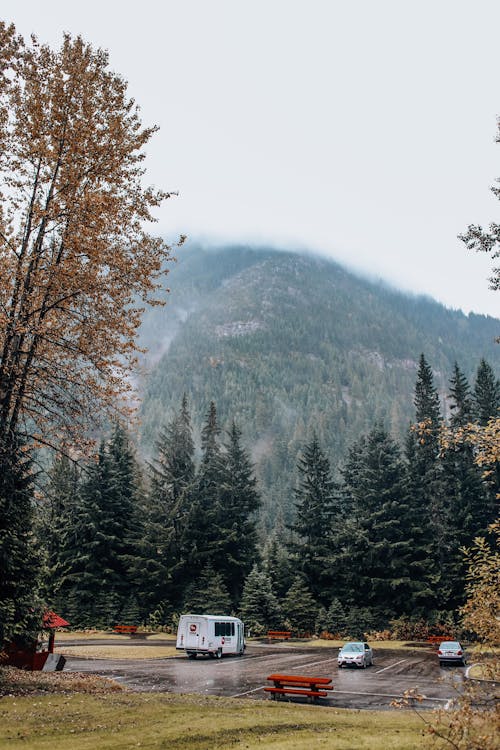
{"x":314,"y":663}
{"x":239,"y":695}
{"x":384,"y":695}
{"x":391,"y":666}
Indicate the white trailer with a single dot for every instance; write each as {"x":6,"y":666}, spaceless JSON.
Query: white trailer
{"x":212,"y":635}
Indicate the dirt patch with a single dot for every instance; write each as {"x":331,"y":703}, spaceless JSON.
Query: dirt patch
{"x":15,"y":681}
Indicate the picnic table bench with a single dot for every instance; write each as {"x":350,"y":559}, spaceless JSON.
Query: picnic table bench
{"x":282,"y":635}
{"x":435,"y":639}
{"x":312,"y":687}
{"x":125,"y":629}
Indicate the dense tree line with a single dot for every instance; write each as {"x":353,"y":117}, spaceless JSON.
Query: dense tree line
{"x":378,"y":540}
{"x":124,"y":544}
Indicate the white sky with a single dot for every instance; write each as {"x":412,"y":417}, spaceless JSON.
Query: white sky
{"x":362,"y":129}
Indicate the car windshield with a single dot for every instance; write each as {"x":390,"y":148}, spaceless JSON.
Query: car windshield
{"x":353,"y":647}
{"x":450,"y":645}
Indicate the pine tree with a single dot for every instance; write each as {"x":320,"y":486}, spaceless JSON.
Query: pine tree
{"x":20,"y":562}
{"x":208,"y":594}
{"x":259,"y":607}
{"x":460,"y":394}
{"x":427,"y":483}
{"x":316,"y":502}
{"x":384,"y":545}
{"x":486,"y":394}
{"x":299,"y":607}
{"x":239,"y":503}
{"x":162,"y":566}
{"x":427,"y":409}
{"x":101,"y":547}
{"x":57,"y":527}
{"x":172,"y":470}
{"x":201,"y":540}
{"x":276,"y":562}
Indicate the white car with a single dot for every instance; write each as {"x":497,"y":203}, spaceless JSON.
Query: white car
{"x":451,"y":652}
{"x":357,"y":653}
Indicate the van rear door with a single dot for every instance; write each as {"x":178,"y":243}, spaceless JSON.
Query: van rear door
{"x":192,"y":634}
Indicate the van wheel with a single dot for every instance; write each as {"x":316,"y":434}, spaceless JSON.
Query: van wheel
{"x":192,"y":656}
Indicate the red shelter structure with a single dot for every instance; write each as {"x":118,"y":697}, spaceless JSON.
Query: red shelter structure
{"x":34,"y":658}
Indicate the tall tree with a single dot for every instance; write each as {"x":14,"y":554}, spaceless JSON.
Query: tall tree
{"x":385,"y":546}
{"x":259,"y":607}
{"x":74,"y":252}
{"x":239,"y":503}
{"x":486,"y":394}
{"x":56,"y":525}
{"x":299,"y":607}
{"x":316,"y":502}
{"x":460,"y":394}
{"x":162,"y":567}
{"x":76,"y":260}
{"x":427,"y":482}
{"x":200,"y":536}
{"x":101,"y":554}
{"x":20,"y":561}
{"x":173,"y":467}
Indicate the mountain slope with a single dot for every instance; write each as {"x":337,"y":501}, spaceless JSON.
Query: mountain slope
{"x":286,"y":343}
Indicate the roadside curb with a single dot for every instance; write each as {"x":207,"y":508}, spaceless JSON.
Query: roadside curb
{"x":467,"y":676}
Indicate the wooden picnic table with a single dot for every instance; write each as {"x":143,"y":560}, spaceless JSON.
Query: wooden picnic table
{"x":125,"y":629}
{"x":312,"y":687}
{"x":282,"y":635}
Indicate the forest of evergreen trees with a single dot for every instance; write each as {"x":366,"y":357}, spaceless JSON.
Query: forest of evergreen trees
{"x":372,"y":541}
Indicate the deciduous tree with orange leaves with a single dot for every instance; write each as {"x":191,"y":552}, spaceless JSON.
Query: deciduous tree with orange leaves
{"x":76,"y":259}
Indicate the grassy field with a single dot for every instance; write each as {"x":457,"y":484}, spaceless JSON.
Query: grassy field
{"x":119,"y":721}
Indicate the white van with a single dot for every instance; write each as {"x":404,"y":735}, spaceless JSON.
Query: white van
{"x":210,"y":634}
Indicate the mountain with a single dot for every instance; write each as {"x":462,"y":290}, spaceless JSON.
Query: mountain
{"x":286,"y":343}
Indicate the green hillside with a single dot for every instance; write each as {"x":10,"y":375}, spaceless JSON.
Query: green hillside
{"x":286,"y":343}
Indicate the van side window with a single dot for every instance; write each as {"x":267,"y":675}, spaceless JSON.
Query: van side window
{"x":223,"y":628}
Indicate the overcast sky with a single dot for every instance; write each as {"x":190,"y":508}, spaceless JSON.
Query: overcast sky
{"x":361,"y":129}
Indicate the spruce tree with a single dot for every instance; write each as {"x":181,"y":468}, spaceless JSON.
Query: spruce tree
{"x":427,"y":483}
{"x":276,"y":562}
{"x":486,"y":394}
{"x":384,"y":545}
{"x":299,"y":607}
{"x":316,"y":502}
{"x":105,"y":527}
{"x":21,"y":604}
{"x":239,"y":503}
{"x":201,"y":538}
{"x":208,"y":594}
{"x":57,"y":527}
{"x":172,"y":469}
{"x":460,"y":393}
{"x":162,"y":565}
{"x":259,"y":607}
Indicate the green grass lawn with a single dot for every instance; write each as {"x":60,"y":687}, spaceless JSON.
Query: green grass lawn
{"x":119,"y":721}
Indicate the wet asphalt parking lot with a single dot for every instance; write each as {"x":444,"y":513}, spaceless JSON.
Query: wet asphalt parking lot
{"x":393,"y":672}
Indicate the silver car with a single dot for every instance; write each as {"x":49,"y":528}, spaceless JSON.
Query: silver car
{"x":451,"y":652}
{"x":357,"y":653}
